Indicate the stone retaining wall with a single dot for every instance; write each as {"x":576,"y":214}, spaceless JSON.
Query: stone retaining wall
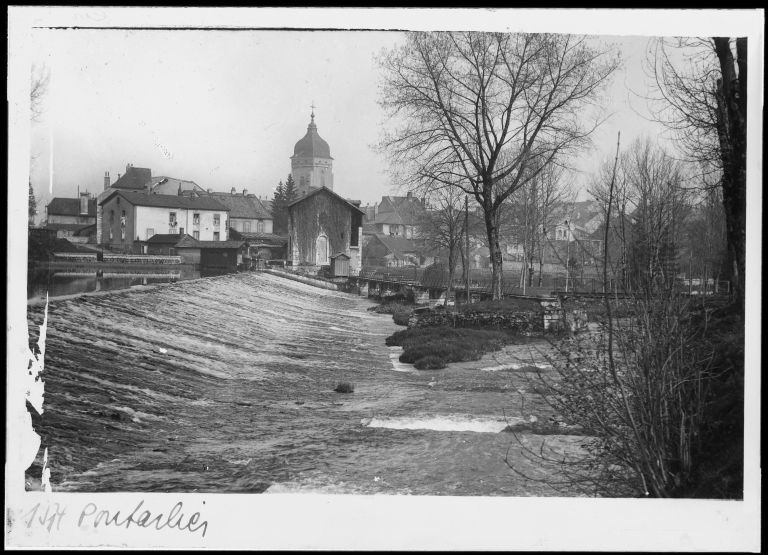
{"x":523,"y":322}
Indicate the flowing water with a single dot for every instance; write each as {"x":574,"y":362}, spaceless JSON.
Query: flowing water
{"x":226,"y":384}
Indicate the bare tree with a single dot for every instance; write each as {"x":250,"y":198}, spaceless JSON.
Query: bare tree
{"x":486,"y":112}
{"x":704,"y":100}
{"x":534,"y":211}
{"x":38,"y":87}
{"x":442,"y":227}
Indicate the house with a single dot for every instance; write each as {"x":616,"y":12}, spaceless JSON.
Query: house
{"x":163,"y":243}
{"x":163,"y":185}
{"x":131,"y":217}
{"x":72,"y":218}
{"x":397,"y":216}
{"x":264,"y":246}
{"x":322,"y":223}
{"x":213,"y":257}
{"x":390,"y":251}
{"x":80,"y":210}
{"x":247,"y":213}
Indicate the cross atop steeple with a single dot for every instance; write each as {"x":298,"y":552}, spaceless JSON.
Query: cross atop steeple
{"x":313,"y":110}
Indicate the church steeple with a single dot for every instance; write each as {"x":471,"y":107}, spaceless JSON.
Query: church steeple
{"x":311,"y":163}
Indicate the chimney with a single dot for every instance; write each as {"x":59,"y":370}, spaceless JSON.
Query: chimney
{"x":409,"y":195}
{"x":233,"y":191}
{"x":245,"y":192}
{"x":106,"y":181}
{"x":84,"y":203}
{"x":210,"y":191}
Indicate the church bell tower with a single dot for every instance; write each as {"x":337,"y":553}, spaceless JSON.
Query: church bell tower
{"x":311,"y":163}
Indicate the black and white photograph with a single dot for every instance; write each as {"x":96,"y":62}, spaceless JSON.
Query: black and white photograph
{"x":384,"y":278}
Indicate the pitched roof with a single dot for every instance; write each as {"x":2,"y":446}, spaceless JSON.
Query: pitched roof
{"x":326,"y":189}
{"x":242,"y":206}
{"x":165,"y":238}
{"x":68,"y":227}
{"x":70,"y":207}
{"x":164,"y":185}
{"x":133,"y":178}
{"x":191,"y":242}
{"x":399,"y":210}
{"x":260,"y":238}
{"x":168,"y":201}
{"x":220,"y":244}
{"x":388,"y":218}
{"x":397,"y":245}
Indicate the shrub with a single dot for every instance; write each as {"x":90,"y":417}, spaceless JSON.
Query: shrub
{"x":430,"y":362}
{"x":401,"y":317}
{"x":344,"y":387}
{"x":448,"y":344}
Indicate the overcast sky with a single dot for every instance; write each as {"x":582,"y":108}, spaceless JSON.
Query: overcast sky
{"x":225,"y":108}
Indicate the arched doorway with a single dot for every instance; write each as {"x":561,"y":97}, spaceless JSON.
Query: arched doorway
{"x":321,"y":250}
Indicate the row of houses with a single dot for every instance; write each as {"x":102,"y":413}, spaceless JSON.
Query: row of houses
{"x":144,"y":214}
{"x":393,"y":236}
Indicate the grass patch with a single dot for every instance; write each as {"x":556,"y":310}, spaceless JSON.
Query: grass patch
{"x":432,"y":348}
{"x":344,"y":387}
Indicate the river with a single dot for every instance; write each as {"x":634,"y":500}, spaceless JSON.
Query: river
{"x":225,"y":384}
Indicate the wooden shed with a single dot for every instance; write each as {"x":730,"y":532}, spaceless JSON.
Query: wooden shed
{"x":340,"y":265}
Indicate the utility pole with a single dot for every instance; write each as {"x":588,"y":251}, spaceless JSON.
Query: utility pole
{"x":466,"y":232}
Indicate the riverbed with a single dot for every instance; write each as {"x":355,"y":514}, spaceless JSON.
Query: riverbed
{"x":225,"y":384}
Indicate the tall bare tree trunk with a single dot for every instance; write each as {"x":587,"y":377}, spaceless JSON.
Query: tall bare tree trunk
{"x":732,"y":133}
{"x":451,"y":273}
{"x":494,"y":250}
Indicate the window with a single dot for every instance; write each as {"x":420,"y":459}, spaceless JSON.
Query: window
{"x":215,"y":235}
{"x":111,"y":217}
{"x":247,"y":227}
{"x":122,"y":218}
{"x":150,"y":232}
{"x":216,"y":220}
{"x":196,"y":219}
{"x":181,"y":231}
{"x":260,"y":226}
{"x":196,"y":235}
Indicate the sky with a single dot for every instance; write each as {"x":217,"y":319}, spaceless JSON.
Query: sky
{"x":225,"y":108}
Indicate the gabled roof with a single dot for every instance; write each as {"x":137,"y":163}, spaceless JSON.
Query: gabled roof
{"x":388,"y":218}
{"x":260,"y":238}
{"x":168,"y":201}
{"x":164,"y":185}
{"x":191,"y":242}
{"x":327,"y":190}
{"x":133,"y":178}
{"x":242,"y":206}
{"x":68,"y":227}
{"x":399,"y":210}
{"x":220,"y":244}
{"x":70,"y":207}
{"x":166,"y":238}
{"x":397,"y":245}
